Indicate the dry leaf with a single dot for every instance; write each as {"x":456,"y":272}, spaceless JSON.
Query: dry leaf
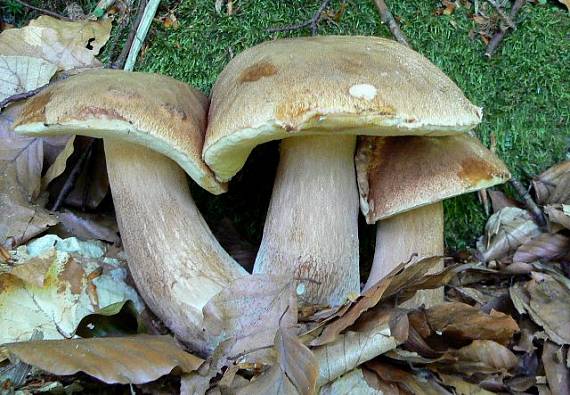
{"x":59,"y":164}
{"x":88,"y":226}
{"x":355,"y":382}
{"x":463,"y":322}
{"x":22,"y":74}
{"x":545,"y":299}
{"x":463,"y":387}
{"x":558,"y":214}
{"x":553,"y":186}
{"x":483,"y":356}
{"x":65,"y":44}
{"x":505,"y":231}
{"x":249,"y":311}
{"x":409,"y":382}
{"x":295,"y":372}
{"x":66,"y":281}
{"x":566,"y":3}
{"x":557,"y":374}
{"x":546,"y":246}
{"x":125,"y":360}
{"x":499,"y":201}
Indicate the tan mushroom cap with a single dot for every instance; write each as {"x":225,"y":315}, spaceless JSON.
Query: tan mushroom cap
{"x":328,"y":85}
{"x":152,"y":110}
{"x":398,"y":174}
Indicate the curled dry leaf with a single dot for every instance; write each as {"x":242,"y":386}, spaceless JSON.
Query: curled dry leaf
{"x":295,"y":371}
{"x":65,"y":44}
{"x":249,"y":311}
{"x":483,"y":356}
{"x":499,"y":201}
{"x":463,"y":387}
{"x":545,"y":247}
{"x":505,"y":231}
{"x":407,"y":382}
{"x":553,"y":186}
{"x":545,"y":299}
{"x":22,"y":74}
{"x":557,"y":373}
{"x":125,"y":360}
{"x":357,"y":382}
{"x":558,"y":214}
{"x":52,"y":290}
{"x":88,"y":226}
{"x":59,"y":164}
{"x":463,"y":322}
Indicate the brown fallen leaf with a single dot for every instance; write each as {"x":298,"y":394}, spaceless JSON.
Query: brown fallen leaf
{"x":483,"y":356}
{"x":505,"y":231}
{"x":499,"y":201}
{"x":553,"y":186}
{"x":545,"y":247}
{"x":23,"y":74}
{"x":250,"y":311}
{"x":557,"y":373}
{"x":408,"y":382}
{"x":87,"y":226}
{"x":463,"y":322}
{"x":463,"y":387}
{"x":558,"y":214}
{"x":65,"y":44}
{"x":295,"y":371}
{"x":125,"y":360}
{"x":545,"y":298}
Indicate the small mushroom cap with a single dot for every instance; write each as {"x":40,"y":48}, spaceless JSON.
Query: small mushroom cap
{"x":398,"y":174}
{"x":328,"y":85}
{"x":152,"y":110}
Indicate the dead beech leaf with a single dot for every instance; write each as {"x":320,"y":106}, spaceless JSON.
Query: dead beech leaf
{"x":22,"y":74}
{"x":546,"y":246}
{"x":295,"y":371}
{"x":88,"y":226}
{"x":65,"y":44}
{"x":125,"y":360}
{"x":499,"y":200}
{"x":546,"y":301}
{"x":557,"y":373}
{"x":484,"y":356}
{"x":463,"y":387}
{"x":407,"y":381}
{"x":249,"y":311}
{"x":357,"y":381}
{"x":59,"y":164}
{"x":464,"y":322}
{"x":558,"y":214}
{"x":553,"y":186}
{"x":505,"y":231}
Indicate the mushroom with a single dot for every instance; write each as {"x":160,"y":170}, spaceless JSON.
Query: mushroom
{"x":153,"y":130}
{"x":318,"y":94}
{"x":402,"y":183}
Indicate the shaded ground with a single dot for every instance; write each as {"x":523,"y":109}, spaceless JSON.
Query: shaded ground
{"x":522,"y":90}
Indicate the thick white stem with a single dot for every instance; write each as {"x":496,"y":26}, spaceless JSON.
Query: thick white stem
{"x":311,"y":230}
{"x":176,"y":262}
{"x":418,"y":231}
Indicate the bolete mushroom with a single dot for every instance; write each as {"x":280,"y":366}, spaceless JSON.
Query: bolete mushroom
{"x":153,"y":130}
{"x":318,"y":94}
{"x":402,"y":182}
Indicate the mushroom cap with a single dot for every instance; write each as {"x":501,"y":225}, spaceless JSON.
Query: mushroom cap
{"x":152,"y":110}
{"x":398,"y":174}
{"x":328,"y":85}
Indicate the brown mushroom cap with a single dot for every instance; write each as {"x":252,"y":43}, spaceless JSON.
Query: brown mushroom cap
{"x":155,"y":111}
{"x":328,"y":85}
{"x":398,"y":174}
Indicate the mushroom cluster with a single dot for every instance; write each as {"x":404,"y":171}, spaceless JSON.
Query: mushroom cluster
{"x":317,"y":95}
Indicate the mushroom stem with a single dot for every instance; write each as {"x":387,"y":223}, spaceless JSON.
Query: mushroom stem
{"x":311,"y":230}
{"x":419,"y":231}
{"x":176,"y":262}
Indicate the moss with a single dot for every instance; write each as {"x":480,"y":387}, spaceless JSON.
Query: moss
{"x":524,"y":89}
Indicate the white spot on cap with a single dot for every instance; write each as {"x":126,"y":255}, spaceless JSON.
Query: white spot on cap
{"x":363,"y":91}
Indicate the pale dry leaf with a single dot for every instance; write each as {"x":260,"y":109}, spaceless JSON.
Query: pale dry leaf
{"x":557,"y":373}
{"x":463,"y":322}
{"x":544,"y":247}
{"x":553,"y":186}
{"x":484,"y":356}
{"x":505,"y":231}
{"x":64,"y":284}
{"x":546,"y":301}
{"x":463,"y":387}
{"x":125,"y":360}
{"x":22,"y":74}
{"x":65,"y":44}
{"x":59,"y":164}
{"x":353,"y":382}
{"x":409,"y":382}
{"x":249,"y":310}
{"x":295,"y":371}
{"x":88,"y":226}
{"x":558,"y":214}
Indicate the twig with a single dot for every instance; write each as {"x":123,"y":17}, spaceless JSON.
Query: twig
{"x":532,"y":207}
{"x":388,"y":19}
{"x":313,"y":22}
{"x":20,"y":96}
{"x":42,"y":11}
{"x":140,"y":36}
{"x":498,"y":36}
{"x":502,"y":14}
{"x":122,"y":58}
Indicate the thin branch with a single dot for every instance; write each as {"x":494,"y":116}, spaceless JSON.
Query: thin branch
{"x":388,"y":19}
{"x":502,"y":14}
{"x":20,"y":96}
{"x":43,"y":11}
{"x":142,"y":31}
{"x":498,"y":36}
{"x":530,"y":204}
{"x":313,"y":22}
{"x":122,"y":58}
